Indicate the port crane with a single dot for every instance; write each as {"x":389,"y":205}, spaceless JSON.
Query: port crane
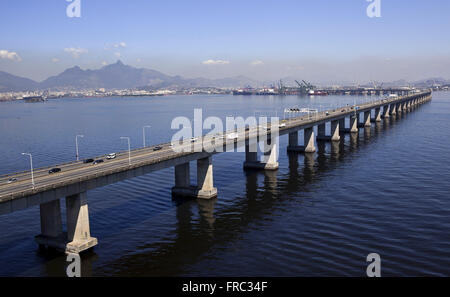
{"x":304,"y":86}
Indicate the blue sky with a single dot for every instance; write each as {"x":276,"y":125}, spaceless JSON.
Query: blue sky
{"x":317,"y":40}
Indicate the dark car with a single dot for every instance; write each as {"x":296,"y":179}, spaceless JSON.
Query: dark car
{"x":54,"y":170}
{"x":88,"y":161}
{"x":97,"y":161}
{"x":157,"y":148}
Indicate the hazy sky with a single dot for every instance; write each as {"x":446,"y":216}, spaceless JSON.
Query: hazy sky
{"x":317,"y":40}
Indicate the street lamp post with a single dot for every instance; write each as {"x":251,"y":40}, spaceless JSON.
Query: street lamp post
{"x":129,"y":151}
{"x":31,"y":165}
{"x":76,"y":144}
{"x":143,"y":133}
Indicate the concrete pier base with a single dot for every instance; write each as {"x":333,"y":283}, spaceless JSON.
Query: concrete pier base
{"x":386,"y":111}
{"x":321,"y":133}
{"x":269,"y":161}
{"x":205,"y":184}
{"x":308,"y":146}
{"x":335,"y":131}
{"x":354,"y":124}
{"x":78,"y":237}
{"x":78,"y":231}
{"x":205,"y":181}
{"x":393,"y":109}
{"x":293,"y":143}
{"x":51,"y":226}
{"x":367,"y":119}
{"x":378,"y":114}
{"x":342,"y":126}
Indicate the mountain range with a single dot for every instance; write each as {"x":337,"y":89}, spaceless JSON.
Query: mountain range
{"x":114,"y":76}
{"x":121,"y":76}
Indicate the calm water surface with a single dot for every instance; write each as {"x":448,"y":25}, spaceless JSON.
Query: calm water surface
{"x":385,"y":191}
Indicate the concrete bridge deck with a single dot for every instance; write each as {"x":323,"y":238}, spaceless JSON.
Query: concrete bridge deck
{"x":76,"y":178}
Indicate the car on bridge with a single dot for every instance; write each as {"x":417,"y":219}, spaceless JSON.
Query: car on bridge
{"x":157,"y":148}
{"x":88,"y":161}
{"x":111,"y":156}
{"x":11,"y":180}
{"x":97,"y":161}
{"x":54,"y":170}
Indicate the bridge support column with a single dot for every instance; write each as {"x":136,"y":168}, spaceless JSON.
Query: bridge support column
{"x":78,"y":237}
{"x":182,"y":175}
{"x":404,"y":106}
{"x":293,"y":142}
{"x":335,"y":131}
{"x":269,"y":161}
{"x":321,"y":133}
{"x":51,"y":225}
{"x":342,"y":125}
{"x":309,"y":140}
{"x":378,"y":114}
{"x":78,"y":231}
{"x":354,"y":119}
{"x":251,"y":156}
{"x":392,"y":109}
{"x":399,"y":108}
{"x":367,"y":119}
{"x":205,"y":182}
{"x":386,"y":111}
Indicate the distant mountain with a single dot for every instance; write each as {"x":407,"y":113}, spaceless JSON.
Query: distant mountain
{"x":115,"y":76}
{"x":12,"y":83}
{"x":121,"y":76}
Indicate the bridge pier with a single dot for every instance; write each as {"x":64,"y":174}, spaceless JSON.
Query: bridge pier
{"x":78,"y":237}
{"x":386,"y":111}
{"x":354,"y":119}
{"x":342,"y":126}
{"x":367,"y":119}
{"x":293,"y":142}
{"x":205,"y":183}
{"x":378,"y":114}
{"x":335,"y":131}
{"x":78,"y":231}
{"x":321,"y":135}
{"x":51,"y":225}
{"x":392,"y":109}
{"x":270,"y":157}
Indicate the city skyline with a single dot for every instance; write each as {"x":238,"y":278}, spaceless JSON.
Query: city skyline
{"x":216,"y":40}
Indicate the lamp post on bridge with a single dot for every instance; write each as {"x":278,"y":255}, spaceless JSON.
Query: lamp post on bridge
{"x":143,"y":133}
{"x":129,"y":150}
{"x":31,"y":165}
{"x":76,"y":145}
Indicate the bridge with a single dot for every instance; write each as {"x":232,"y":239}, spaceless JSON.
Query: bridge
{"x":77,"y":178}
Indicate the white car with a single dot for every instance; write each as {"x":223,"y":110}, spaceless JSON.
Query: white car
{"x":194,"y":139}
{"x":111,"y":156}
{"x":232,"y":136}
{"x":282,"y":125}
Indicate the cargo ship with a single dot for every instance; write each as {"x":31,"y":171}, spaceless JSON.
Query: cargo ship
{"x":33,"y":99}
{"x":317,"y":93}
